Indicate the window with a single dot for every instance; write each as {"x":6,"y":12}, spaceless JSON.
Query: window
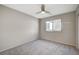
{"x":54,"y":25}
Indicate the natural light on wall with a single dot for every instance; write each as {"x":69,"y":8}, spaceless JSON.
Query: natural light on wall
{"x":54,"y":25}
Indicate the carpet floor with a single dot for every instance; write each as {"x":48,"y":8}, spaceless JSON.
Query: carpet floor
{"x":41,"y":47}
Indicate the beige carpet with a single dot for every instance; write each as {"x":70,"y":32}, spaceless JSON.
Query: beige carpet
{"x":41,"y":47}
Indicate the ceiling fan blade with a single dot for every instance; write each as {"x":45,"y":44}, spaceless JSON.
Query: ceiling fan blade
{"x":38,"y":12}
{"x":48,"y":12}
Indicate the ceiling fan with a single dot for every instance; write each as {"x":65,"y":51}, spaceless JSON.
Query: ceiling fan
{"x":43,"y":10}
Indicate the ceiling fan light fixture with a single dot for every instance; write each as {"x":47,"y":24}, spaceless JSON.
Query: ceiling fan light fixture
{"x":43,"y":12}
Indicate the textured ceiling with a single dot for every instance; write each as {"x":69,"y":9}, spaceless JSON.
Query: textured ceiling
{"x":54,"y":9}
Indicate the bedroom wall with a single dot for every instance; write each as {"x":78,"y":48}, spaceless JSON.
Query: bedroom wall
{"x":77,"y":27}
{"x":16,"y":28}
{"x":68,"y":33}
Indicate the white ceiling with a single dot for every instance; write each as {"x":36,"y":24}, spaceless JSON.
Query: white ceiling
{"x":32,"y":9}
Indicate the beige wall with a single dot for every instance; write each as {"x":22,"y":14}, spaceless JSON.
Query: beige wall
{"x":16,"y":28}
{"x":68,"y":33}
{"x":77,"y":27}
